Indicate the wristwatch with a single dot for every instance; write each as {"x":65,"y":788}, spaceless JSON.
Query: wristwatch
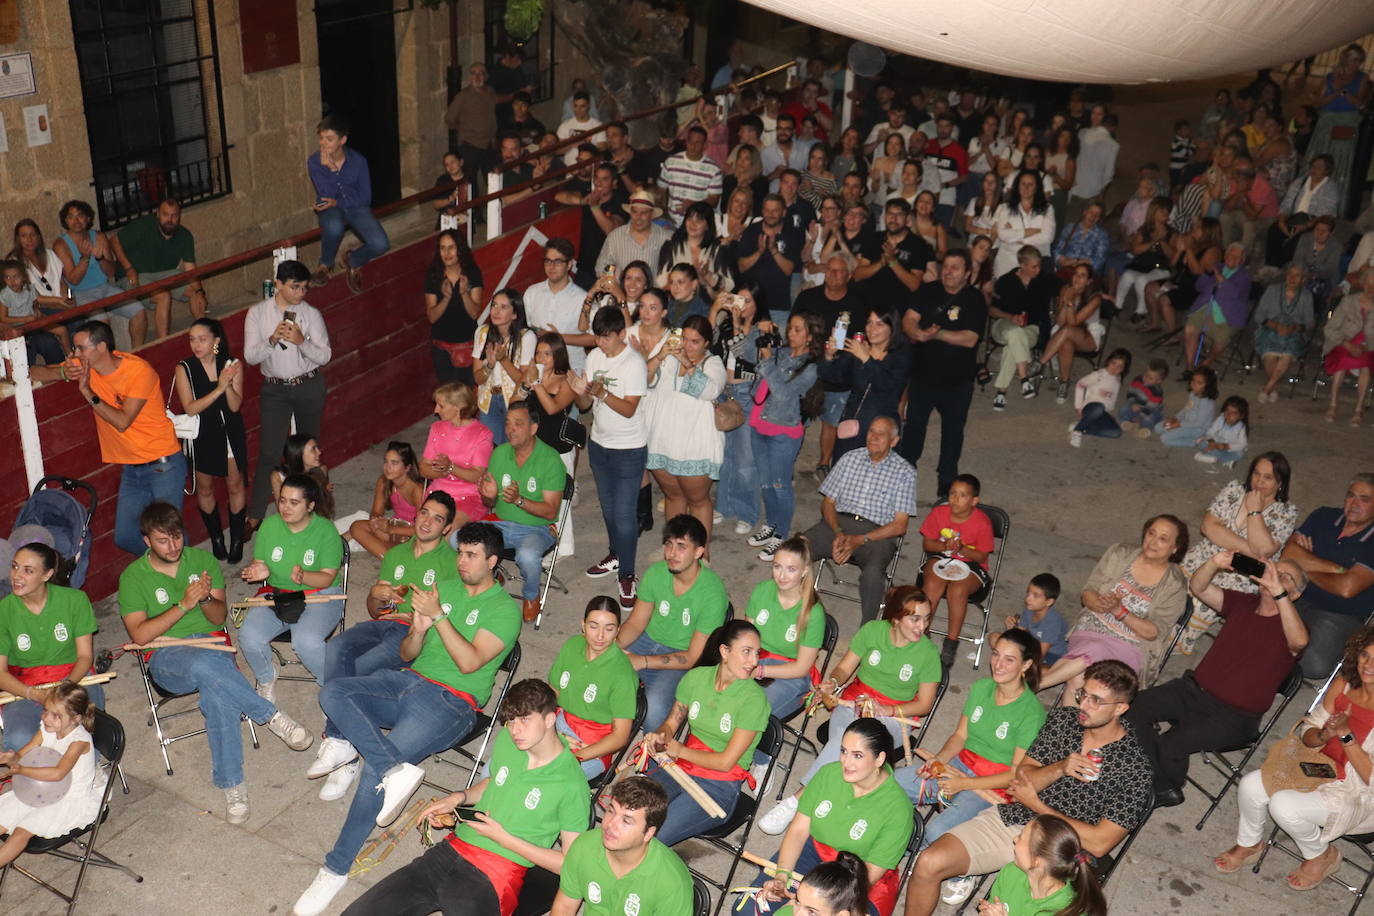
{"x":1347,"y":738}
{"x":520,"y":502}
{"x":95,"y":399}
{"x":1281,"y":595}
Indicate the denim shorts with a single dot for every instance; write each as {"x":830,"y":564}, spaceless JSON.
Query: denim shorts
{"x":833,"y":411}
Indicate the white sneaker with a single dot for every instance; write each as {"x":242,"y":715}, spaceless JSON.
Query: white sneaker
{"x":236,"y":804}
{"x":956,"y":890}
{"x":268,"y":691}
{"x":717,"y":518}
{"x":333,"y":753}
{"x":779,"y":816}
{"x":1205,"y":457}
{"x":399,"y":783}
{"x":319,"y":894}
{"x":743,"y":527}
{"x":339,"y":781}
{"x":290,"y":731}
{"x":1076,"y":439}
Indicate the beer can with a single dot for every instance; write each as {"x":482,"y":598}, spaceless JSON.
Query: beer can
{"x":543,"y":209}
{"x":269,"y":289}
{"x":1096,"y":756}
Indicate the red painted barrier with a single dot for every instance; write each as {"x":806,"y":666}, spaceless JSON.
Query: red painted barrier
{"x":380,"y":380}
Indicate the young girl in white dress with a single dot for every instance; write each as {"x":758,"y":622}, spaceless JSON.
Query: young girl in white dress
{"x":68,"y":717}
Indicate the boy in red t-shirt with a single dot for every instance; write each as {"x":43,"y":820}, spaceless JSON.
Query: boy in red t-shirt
{"x":959,"y":530}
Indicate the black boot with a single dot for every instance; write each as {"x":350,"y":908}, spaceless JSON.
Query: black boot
{"x":215,"y":528}
{"x":645,"y":512}
{"x":236,"y":522}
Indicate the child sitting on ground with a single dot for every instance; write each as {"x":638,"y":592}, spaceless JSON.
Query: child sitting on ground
{"x":1192,"y":421}
{"x":956,"y":530}
{"x":1227,"y":437}
{"x":1094,"y":397}
{"x":1040,"y":619}
{"x":401,"y":489}
{"x":1145,"y":398}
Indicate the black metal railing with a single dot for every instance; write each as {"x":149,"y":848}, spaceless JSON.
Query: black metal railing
{"x":128,"y":194}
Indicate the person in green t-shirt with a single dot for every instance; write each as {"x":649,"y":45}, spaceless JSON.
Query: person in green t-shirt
{"x":178,"y":591}
{"x":524,"y":487}
{"x":838,"y":888}
{"x":460,"y":632}
{"x":680,"y":603}
{"x":726,"y":713}
{"x":621,"y":867}
{"x":791,"y":622}
{"x":46,"y":635}
{"x":1051,"y":871}
{"x":894,"y":667}
{"x":597,"y":689}
{"x":506,"y":823}
{"x":1001,"y":718}
{"x":295,"y":550}
{"x":155,"y":247}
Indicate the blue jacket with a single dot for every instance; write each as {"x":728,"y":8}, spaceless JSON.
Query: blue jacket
{"x":786,"y":386}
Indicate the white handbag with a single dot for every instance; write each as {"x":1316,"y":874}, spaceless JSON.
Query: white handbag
{"x":187,"y":427}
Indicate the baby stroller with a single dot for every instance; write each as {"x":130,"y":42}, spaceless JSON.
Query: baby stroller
{"x":67,"y":522}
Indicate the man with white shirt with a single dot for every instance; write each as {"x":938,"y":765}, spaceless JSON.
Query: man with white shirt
{"x":895,"y":124}
{"x":555,"y":304}
{"x":786,"y":152}
{"x":286,"y":337}
{"x":1096,"y":162}
{"x":581,"y":121}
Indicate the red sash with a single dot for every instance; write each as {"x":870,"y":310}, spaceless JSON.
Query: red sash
{"x":41,"y":674}
{"x":465,"y":697}
{"x":814,"y":674}
{"x":882,"y":894}
{"x":734,"y":774}
{"x":506,"y":877}
{"x":982,"y":766}
{"x":589,"y":732}
{"x":858,"y":688}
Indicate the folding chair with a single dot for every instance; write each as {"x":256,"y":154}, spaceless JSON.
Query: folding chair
{"x":983,"y":598}
{"x":597,"y":783}
{"x":108,"y":738}
{"x":823,"y":732}
{"x":888,"y":575}
{"x":913,"y":846}
{"x":1363,"y":842}
{"x":1180,"y":626}
{"x":551,"y":555}
{"x":485,"y":723}
{"x":158,"y":698}
{"x":798,"y":734}
{"x":284,"y":637}
{"x":701,"y":897}
{"x":746,"y":808}
{"x":1218,"y":760}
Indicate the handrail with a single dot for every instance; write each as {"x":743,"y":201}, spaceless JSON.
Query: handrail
{"x":247,"y":256}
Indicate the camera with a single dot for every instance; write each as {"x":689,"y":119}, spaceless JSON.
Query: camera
{"x":769,"y":339}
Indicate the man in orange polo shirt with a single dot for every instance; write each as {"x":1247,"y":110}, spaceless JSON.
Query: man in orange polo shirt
{"x":134,"y":431}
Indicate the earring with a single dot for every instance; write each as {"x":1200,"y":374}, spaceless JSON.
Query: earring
{"x":216,"y":350}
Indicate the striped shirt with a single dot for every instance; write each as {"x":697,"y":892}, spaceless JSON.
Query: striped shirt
{"x":688,"y":181}
{"x":873,"y":490}
{"x":620,"y":248}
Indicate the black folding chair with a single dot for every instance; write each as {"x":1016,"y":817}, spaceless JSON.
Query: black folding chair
{"x":841,"y":588}
{"x":1363,"y":843}
{"x":159,"y":698}
{"x":797,"y":735}
{"x":823,"y":732}
{"x":701,"y":897}
{"x":485,"y":723}
{"x":983,"y":598}
{"x":1218,"y":760}
{"x":597,"y":783}
{"x":1180,"y":626}
{"x":550,"y":579}
{"x":108,"y":738}
{"x":284,"y":638}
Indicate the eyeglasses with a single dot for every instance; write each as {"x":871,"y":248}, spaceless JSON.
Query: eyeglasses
{"x":555,"y":260}
{"x":1083,"y":698}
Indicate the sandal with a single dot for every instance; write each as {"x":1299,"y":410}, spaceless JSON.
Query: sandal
{"x":1217,"y":861}
{"x":1357,"y":419}
{"x":1331,"y":867}
{"x":1331,"y":414}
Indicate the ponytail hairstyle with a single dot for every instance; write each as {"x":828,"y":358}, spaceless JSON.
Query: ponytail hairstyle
{"x":724,"y":635}
{"x":1056,"y":844}
{"x":875,"y":737}
{"x":801,"y":546}
{"x":76,"y":701}
{"x":843,"y":883}
{"x":1030,"y":652}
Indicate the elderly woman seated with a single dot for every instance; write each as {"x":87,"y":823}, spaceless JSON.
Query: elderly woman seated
{"x":1221,"y":306}
{"x":1347,"y":337}
{"x":1283,"y":320}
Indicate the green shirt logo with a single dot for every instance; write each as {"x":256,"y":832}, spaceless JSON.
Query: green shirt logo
{"x":60,"y":633}
{"x":501,"y":776}
{"x":429,"y":577}
{"x":472,"y":617}
{"x":161,"y":596}
{"x":858,"y":830}
{"x":1002,"y":731}
{"x":309,"y":558}
{"x":632,"y":905}
{"x":589,"y":695}
{"x":663,"y":607}
{"x":532,"y":799}
{"x":691,"y":713}
{"x":762,"y":617}
{"x":563,"y":680}
{"x":277,"y":554}
{"x":791,"y":634}
{"x":725,"y":722}
{"x":905,"y":673}
{"x":593,"y":892}
{"x":977,"y":714}
{"x":23,"y":642}
{"x":400,"y":571}
{"x":823,"y":808}
{"x":874,"y":657}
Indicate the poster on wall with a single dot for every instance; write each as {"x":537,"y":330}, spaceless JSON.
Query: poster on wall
{"x":37,"y":126}
{"x":16,"y":75}
{"x":269,"y":35}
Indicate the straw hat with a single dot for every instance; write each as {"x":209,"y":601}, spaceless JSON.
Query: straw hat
{"x":641,"y":198}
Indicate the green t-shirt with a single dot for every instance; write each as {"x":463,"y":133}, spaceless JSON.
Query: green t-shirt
{"x":31,"y":640}
{"x":534,"y":805}
{"x":1012,"y":887}
{"x":995,"y":732}
{"x":658,"y":886}
{"x":492,"y":610}
{"x":142,"y":588}
{"x":316,"y":547}
{"x":542,"y":470}
{"x":778,"y":625}
{"x":601,"y":690}
{"x":875,"y":827}
{"x":150,"y":252}
{"x":893,"y":672}
{"x":674,"y":618}
{"x":400,"y":566}
{"x":713,"y":717}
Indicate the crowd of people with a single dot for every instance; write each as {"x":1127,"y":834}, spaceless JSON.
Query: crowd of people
{"x":778,"y":269}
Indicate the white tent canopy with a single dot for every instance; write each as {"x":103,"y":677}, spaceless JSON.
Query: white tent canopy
{"x":1095,"y":41}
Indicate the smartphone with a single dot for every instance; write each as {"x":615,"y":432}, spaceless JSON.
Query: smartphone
{"x":288,"y":315}
{"x":1247,"y":566}
{"x":468,"y":815}
{"x":1318,"y":770}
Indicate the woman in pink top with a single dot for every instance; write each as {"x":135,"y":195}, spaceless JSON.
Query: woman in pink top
{"x":400,"y":488}
{"x":457,"y":451}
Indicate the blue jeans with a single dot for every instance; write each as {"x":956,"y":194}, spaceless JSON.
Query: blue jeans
{"x":776,"y":457}
{"x":1228,"y":457}
{"x":737,"y":492}
{"x":22,"y":718}
{"x":224,"y":696}
{"x":660,"y":685}
{"x":530,"y":543}
{"x":420,"y":717}
{"x":594,"y":767}
{"x":372,"y":645}
{"x":1097,"y":421}
{"x":140,"y":485}
{"x":618,"y":472}
{"x":494,"y":418}
{"x":685,"y":816}
{"x":964,"y":807}
{"x":807,"y":859}
{"x":1180,"y":437}
{"x":1148,"y":417}
{"x":840,"y":719}
{"x":307,"y":636}
{"x":335,"y":220}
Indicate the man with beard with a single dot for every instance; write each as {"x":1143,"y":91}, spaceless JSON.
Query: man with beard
{"x":892,"y":263}
{"x":152,"y":248}
{"x":601,"y":201}
{"x":769,"y":253}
